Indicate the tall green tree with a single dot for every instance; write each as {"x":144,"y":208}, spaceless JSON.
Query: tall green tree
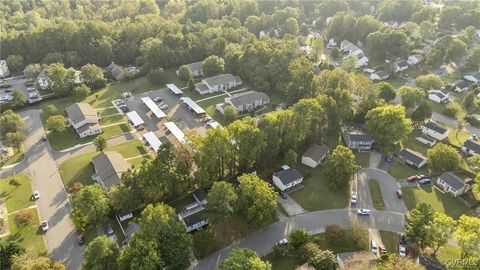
{"x":422,"y":112}
{"x":15,"y":63}
{"x":441,"y":230}
{"x":184,"y":73}
{"x":56,"y":123}
{"x":8,"y":249}
{"x":467,"y":234}
{"x":19,"y":98}
{"x":429,"y":82}
{"x":81,"y":90}
{"x":100,"y":254}
{"x":91,"y":204}
{"x":417,"y":224}
{"x":410,"y":96}
{"x":221,"y":202}
{"x":244,"y":259}
{"x":323,"y":260}
{"x":442,"y":158}
{"x":100,"y":143}
{"x":388,"y":124}
{"x":298,"y":238}
{"x":257,"y":200}
{"x":60,"y":79}
{"x":300,"y":86}
{"x":213,"y":65}
{"x":11,"y":122}
{"x":387,"y":92}
{"x":15,"y":139}
{"x":92,"y":76}
{"x":191,"y":85}
{"x":248,"y":140}
{"x":340,"y":167}
{"x":141,"y":253}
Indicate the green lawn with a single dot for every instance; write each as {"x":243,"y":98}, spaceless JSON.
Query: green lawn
{"x":377,"y":197}
{"x":108,"y":120}
{"x":107,"y":111}
{"x":281,"y":262}
{"x":448,"y":252}
{"x":458,"y":140}
{"x":16,"y":158}
{"x":115,"y":130}
{"x":79,"y":168}
{"x":412,"y":143}
{"x":441,"y":202}
{"x":363,"y":159}
{"x":18,"y":197}
{"x":30,"y":237}
{"x":317,"y":193}
{"x":390,"y":241}
{"x":401,"y":171}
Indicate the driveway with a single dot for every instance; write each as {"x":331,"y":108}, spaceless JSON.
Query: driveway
{"x":263,"y":241}
{"x":290,"y":206}
{"x":53,"y":204}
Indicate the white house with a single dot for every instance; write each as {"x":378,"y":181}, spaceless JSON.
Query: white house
{"x":218,"y":83}
{"x":474,"y":78}
{"x":193,"y":217}
{"x":438,"y":96}
{"x":357,"y":139}
{"x":362,"y":62}
{"x":415,"y":59}
{"x":287,"y":178}
{"x":247,"y":101}
{"x":460,"y":86}
{"x":453,"y":184}
{"x":379,"y":75}
{"x":42,"y":79}
{"x":4,"y":72}
{"x":400,"y":66}
{"x":196,"y":69}
{"x":350,"y":48}
{"x":315,"y":155}
{"x":471,"y":147}
{"x":425,"y":139}
{"x":434,"y":130}
{"x":412,"y":158}
{"x":84,"y":119}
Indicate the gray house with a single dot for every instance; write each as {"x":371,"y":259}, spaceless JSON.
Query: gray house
{"x":109,"y":167}
{"x":453,"y":184}
{"x":248,"y":101}
{"x":84,"y":119}
{"x":315,"y":155}
{"x":471,"y":147}
{"x":218,"y":83}
{"x":357,"y":139}
{"x":196,"y":69}
{"x":412,"y":158}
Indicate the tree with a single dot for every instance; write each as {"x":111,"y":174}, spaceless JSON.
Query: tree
{"x":340,"y":166}
{"x":81,"y":90}
{"x":9,"y":249}
{"x":388,"y":124}
{"x":56,"y":123}
{"x":23,"y":217}
{"x":417,"y":224}
{"x":318,"y":48}
{"x":191,"y":85}
{"x":10,"y":122}
{"x":15,"y":63}
{"x":335,"y":53}
{"x":298,"y":238}
{"x":32,"y":71}
{"x":19,"y":98}
{"x":100,"y":254}
{"x":302,"y":74}
{"x":387,"y":43}
{"x":161,"y":224}
{"x":349,"y":63}
{"x":213,"y":65}
{"x":257,"y":200}
{"x":441,"y":230}
{"x":248,"y":142}
{"x":291,"y":157}
{"x":91,"y":204}
{"x":60,"y":79}
{"x":100,"y":143}
{"x":410,"y":96}
{"x":396,"y":262}
{"x":184,"y":73}
{"x":476,"y":184}
{"x":244,"y":259}
{"x":290,"y":27}
{"x":469,"y":101}
{"x":422,"y":112}
{"x":51,"y":109}
{"x":387,"y":92}
{"x":141,"y":253}
{"x":221,"y":202}
{"x":456,"y":50}
{"x":15,"y":139}
{"x":157,"y":76}
{"x":93,"y":76}
{"x":442,"y":158}
{"x":429,"y":82}
{"x":334,"y":233}
{"x":230,"y":113}
{"x":26,"y":261}
{"x":323,"y":260}
{"x":473,"y":61}
{"x":467,"y":235}
{"x":452,"y":109}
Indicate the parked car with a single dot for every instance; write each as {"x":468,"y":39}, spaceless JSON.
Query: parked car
{"x":399,"y":193}
{"x":414,"y":178}
{"x":283,"y":195}
{"x":7,"y":91}
{"x":363,"y":211}
{"x":157,"y":99}
{"x":354,"y":197}
{"x":389,"y":158}
{"x":36,"y":195}
{"x":44,"y":137}
{"x":109,"y":230}
{"x":374,"y":246}
{"x":164,"y":107}
{"x":119,"y":102}
{"x":425,"y":181}
{"x":382,"y":249}
{"x":403,"y":239}
{"x":410,"y":253}
{"x":283,"y":241}
{"x":80,"y":238}
{"x":126,"y":94}
{"x":402,"y":250}
{"x":44,"y":225}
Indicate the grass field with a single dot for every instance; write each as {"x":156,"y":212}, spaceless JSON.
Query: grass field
{"x":79,"y":169}
{"x":458,"y":140}
{"x":16,"y":158}
{"x":363,"y":159}
{"x":390,"y":241}
{"x":401,"y":171}
{"x":30,"y":237}
{"x":441,"y":202}
{"x":106,"y":111}
{"x":377,"y":197}
{"x":448,"y":252}
{"x":112,"y":119}
{"x":17,"y":196}
{"x":317,"y":193}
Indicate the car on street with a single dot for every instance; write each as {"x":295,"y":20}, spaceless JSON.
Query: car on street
{"x":354,"y":197}
{"x":403,"y":239}
{"x":399,"y":193}
{"x":415,"y":178}
{"x":36,"y":195}
{"x":44,"y":225}
{"x":164,"y":107}
{"x":402,"y":250}
{"x":80,"y":238}
{"x":157,"y":99}
{"x":374,"y":246}
{"x":425,"y":181}
{"x":363,"y":211}
{"x":119,"y":102}
{"x":382,"y":249}
{"x":109,"y":230}
{"x":283,"y":241}
{"x":7,"y":91}
{"x":283,"y":195}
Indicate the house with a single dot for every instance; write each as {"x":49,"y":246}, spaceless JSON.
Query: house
{"x":471,"y":147}
{"x":425,"y":139}
{"x":219,"y":83}
{"x":438,"y":96}
{"x":357,"y":260}
{"x":196,"y":69}
{"x":247,"y":101}
{"x":453,"y":184}
{"x":332,"y":43}
{"x":415,"y":59}
{"x":305,"y":266}
{"x":109,"y":167}
{"x":193,"y":217}
{"x":350,"y":48}
{"x":362,"y":62}
{"x":412,"y":158}
{"x":118,"y":72}
{"x":357,"y":139}
{"x":379,"y":75}
{"x":460,"y":86}
{"x":474,"y":78}
{"x":200,"y":195}
{"x":42,"y":79}
{"x":130,"y":230}
{"x":84,"y":119}
{"x":315,"y":155}
{"x":400,"y":66}
{"x":287,"y":178}
{"x":434,"y":130}
{"x":4,"y":72}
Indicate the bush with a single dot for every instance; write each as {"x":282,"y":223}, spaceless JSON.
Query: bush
{"x":472,"y":120}
{"x":452,"y":110}
{"x":23,"y":217}
{"x":184,"y":73}
{"x":51,"y":109}
{"x":334,"y":233}
{"x":205,"y":243}
{"x":335,"y":53}
{"x":157,"y":76}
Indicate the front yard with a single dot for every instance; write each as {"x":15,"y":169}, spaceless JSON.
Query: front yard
{"x":30,"y":236}
{"x":18,"y":192}
{"x":363,"y":159}
{"x":390,"y":241}
{"x":401,"y":171}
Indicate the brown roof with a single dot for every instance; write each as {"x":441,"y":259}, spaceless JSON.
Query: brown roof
{"x":109,"y":167}
{"x":317,"y":152}
{"x":80,"y":111}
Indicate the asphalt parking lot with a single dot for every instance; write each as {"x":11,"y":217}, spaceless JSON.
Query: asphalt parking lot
{"x":18,"y":83}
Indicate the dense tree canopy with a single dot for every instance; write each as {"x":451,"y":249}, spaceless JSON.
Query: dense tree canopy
{"x":388,"y":124}
{"x":340,"y":166}
{"x":244,"y":259}
{"x":443,"y":157}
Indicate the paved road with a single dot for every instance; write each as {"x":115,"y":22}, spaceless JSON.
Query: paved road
{"x":314,"y":222}
{"x":53,"y":204}
{"x":453,"y":123}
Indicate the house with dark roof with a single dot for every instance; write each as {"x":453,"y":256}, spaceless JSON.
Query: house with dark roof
{"x":287,"y":178}
{"x":453,"y":184}
{"x":116,"y":71}
{"x":471,"y":147}
{"x":357,"y":139}
{"x":379,"y":75}
{"x":109,"y":167}
{"x":425,"y":139}
{"x":84,"y":119}
{"x":350,"y":48}
{"x":218,"y":83}
{"x":195,"y":68}
{"x":315,"y":155}
{"x":474,"y":78}
{"x":193,"y":217}
{"x":400,"y":65}
{"x":434,"y":130}
{"x":460,"y":86}
{"x":438,"y":96}
{"x":412,"y":158}
{"x":358,"y":260}
{"x":247,"y":101}
{"x":200,"y":195}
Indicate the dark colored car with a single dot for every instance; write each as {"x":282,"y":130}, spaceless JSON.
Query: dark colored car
{"x":425,"y":181}
{"x":80,"y":238}
{"x":403,"y":239}
{"x":283,"y":195}
{"x":399,"y":193}
{"x":389,"y":158}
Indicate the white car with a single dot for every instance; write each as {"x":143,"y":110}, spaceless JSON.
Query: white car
{"x":374,"y":247}
{"x":284,"y":241}
{"x":402,"y":250}
{"x":354,"y":197}
{"x":36,"y":195}
{"x":44,"y":226}
{"x":363,"y":211}
{"x":157,"y":99}
{"x":164,"y":107}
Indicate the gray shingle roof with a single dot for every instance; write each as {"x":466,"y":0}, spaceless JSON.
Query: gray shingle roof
{"x":200,"y":195}
{"x":381,"y":73}
{"x":195,"y":66}
{"x":428,"y":138}
{"x":402,"y":63}
{"x":248,"y":97}
{"x":452,"y":180}
{"x":80,"y":111}
{"x":86,"y":127}
{"x":109,"y":167}
{"x":316,"y":152}
{"x":472,"y":145}
{"x":436,"y":127}
{"x":412,"y":156}
{"x":289,"y":175}
{"x":220,"y":79}
{"x":201,"y":87}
